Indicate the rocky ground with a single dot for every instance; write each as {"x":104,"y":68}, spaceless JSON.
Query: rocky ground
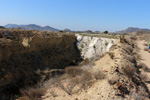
{"x":119,"y":77}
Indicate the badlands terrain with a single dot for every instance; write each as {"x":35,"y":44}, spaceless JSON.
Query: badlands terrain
{"x":37,"y":65}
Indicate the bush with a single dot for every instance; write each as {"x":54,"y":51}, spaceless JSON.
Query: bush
{"x":112,"y":81}
{"x":32,"y":93}
{"x":137,"y":57}
{"x":128,"y":49}
{"x":111,"y":54}
{"x":99,"y":75}
{"x":70,"y":85}
{"x":73,"y":71}
{"x":128,"y":68}
{"x":129,"y":58}
{"x":82,"y":81}
{"x":106,"y":32}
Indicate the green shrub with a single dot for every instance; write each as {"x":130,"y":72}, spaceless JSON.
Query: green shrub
{"x":106,"y":32}
{"x":2,"y":27}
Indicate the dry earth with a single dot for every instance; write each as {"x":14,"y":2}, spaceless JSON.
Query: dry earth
{"x":145,"y":57}
{"x":127,"y":82}
{"x":100,"y":90}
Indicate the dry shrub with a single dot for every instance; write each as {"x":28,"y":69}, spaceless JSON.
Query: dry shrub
{"x":145,"y":44}
{"x":111,"y":54}
{"x":99,"y":75}
{"x":145,"y":49}
{"x":127,"y":48}
{"x":71,"y":84}
{"x":85,"y":62}
{"x":128,"y":68}
{"x":129,"y":58}
{"x":136,"y":96}
{"x":32,"y":93}
{"x":83,"y":80}
{"x":113,"y":80}
{"x":133,"y":38}
{"x":123,"y":40}
{"x":144,"y":67}
{"x":86,"y":79}
{"x":73,"y":71}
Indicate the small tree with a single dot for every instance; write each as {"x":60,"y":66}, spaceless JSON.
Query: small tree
{"x":106,"y":32}
{"x":61,"y":31}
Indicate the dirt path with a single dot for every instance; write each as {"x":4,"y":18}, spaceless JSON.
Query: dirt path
{"x":145,"y":59}
{"x":144,"y":54}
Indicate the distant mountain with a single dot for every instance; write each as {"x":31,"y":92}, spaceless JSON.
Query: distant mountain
{"x":31,"y":27}
{"x":132,"y":29}
{"x":67,"y":30}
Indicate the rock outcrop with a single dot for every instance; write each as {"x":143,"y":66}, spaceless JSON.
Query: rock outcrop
{"x":92,"y":46}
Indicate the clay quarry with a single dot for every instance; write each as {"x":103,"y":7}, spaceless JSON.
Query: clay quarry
{"x":41,"y":65}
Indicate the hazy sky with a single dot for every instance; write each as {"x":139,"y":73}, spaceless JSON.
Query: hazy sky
{"x":99,"y":15}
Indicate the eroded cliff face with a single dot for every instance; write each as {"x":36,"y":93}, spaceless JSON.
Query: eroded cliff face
{"x":24,"y":59}
{"x":93,"y":46}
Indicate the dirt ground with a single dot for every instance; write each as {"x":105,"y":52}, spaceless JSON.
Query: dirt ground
{"x":145,"y":55}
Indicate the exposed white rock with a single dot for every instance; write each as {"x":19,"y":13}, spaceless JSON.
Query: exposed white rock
{"x":92,"y":46}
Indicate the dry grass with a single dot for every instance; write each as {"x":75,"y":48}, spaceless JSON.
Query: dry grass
{"x":32,"y":93}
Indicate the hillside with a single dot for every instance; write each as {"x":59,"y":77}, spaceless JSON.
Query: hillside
{"x":28,"y":57}
{"x":132,"y":29}
{"x":31,"y":27}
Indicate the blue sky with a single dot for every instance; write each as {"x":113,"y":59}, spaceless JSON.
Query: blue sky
{"x":112,"y":15}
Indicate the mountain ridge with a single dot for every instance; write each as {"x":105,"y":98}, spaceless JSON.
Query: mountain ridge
{"x":132,"y":29}
{"x":31,"y":27}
